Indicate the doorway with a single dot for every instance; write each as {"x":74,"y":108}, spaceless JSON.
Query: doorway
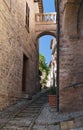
{"x":25,"y":73}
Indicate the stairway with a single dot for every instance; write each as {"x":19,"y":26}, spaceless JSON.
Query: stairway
{"x":26,"y":117}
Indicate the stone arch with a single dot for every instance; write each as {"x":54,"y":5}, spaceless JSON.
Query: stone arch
{"x":71,"y":17}
{"x":46,"y":33}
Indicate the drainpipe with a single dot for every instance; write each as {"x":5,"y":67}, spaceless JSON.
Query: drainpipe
{"x":58,"y":44}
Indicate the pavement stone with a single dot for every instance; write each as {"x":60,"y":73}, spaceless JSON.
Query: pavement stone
{"x":14,"y":128}
{"x":79,"y":122}
{"x":46,"y":127}
{"x":50,"y":119}
{"x":20,"y":123}
{"x":77,"y":129}
{"x":48,"y":116}
{"x":67,"y":125}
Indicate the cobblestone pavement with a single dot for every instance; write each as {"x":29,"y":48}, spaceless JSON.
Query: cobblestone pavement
{"x":36,"y":114}
{"x":49,"y":119}
{"x":22,"y":115}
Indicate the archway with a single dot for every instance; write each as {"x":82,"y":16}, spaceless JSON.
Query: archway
{"x":70,"y":21}
{"x":44,"y":33}
{"x":45,"y":24}
{"x":47,"y":48}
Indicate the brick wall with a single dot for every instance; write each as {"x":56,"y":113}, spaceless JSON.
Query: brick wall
{"x":71,"y":57}
{"x":16,"y":41}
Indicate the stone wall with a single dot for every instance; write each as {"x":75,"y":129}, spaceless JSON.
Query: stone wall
{"x":15,"y":42}
{"x":71,"y":57}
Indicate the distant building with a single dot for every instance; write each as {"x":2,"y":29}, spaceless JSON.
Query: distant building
{"x":53,"y":64}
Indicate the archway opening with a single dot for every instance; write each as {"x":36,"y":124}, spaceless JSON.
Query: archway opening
{"x":47,"y":61}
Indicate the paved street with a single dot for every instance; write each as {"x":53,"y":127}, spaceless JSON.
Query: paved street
{"x":49,"y":119}
{"x":36,"y":114}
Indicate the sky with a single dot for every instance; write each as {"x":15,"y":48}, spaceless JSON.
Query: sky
{"x":44,"y":42}
{"x":48,"y":6}
{"x":44,"y":47}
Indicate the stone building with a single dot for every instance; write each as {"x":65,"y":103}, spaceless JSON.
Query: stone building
{"x":54,"y":60}
{"x":18,"y":50}
{"x":70,"y":54}
{"x":53,"y":64}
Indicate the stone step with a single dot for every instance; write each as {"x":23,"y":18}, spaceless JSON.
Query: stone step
{"x":19,"y":123}
{"x":31,"y":109}
{"x":33,"y":106}
{"x":14,"y":128}
{"x":32,"y":112}
{"x":24,"y":118}
{"x":26,"y":115}
{"x":81,"y":128}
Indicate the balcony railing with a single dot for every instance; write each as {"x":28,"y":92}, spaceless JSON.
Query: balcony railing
{"x":45,"y":17}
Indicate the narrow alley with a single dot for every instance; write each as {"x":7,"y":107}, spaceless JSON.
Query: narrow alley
{"x":36,"y":94}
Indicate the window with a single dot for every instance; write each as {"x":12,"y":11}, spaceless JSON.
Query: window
{"x":27,"y":16}
{"x":80,"y":20}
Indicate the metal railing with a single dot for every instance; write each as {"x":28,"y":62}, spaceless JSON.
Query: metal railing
{"x":45,"y":17}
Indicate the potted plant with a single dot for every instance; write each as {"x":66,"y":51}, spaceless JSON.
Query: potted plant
{"x":52,"y":96}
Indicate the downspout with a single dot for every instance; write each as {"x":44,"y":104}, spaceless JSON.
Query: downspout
{"x":58,"y":46}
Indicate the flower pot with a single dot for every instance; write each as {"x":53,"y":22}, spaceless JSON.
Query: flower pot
{"x":52,"y":100}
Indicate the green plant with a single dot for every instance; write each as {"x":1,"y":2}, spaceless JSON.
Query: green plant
{"x":43,"y":65}
{"x":53,"y":90}
{"x":43,"y":69}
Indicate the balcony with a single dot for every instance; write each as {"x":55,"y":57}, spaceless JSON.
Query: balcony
{"x":45,"y":17}
{"x":45,"y":22}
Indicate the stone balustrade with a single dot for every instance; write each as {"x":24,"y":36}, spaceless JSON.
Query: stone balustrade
{"x":45,"y":17}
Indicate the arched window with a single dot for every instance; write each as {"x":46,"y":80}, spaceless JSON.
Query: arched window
{"x":80,"y":20}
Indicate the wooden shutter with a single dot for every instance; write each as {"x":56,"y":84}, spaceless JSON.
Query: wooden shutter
{"x":81,"y":20}
{"x":27,"y":16}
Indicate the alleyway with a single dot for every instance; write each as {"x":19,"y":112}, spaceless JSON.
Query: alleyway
{"x":36,"y":114}
{"x":23,"y":106}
